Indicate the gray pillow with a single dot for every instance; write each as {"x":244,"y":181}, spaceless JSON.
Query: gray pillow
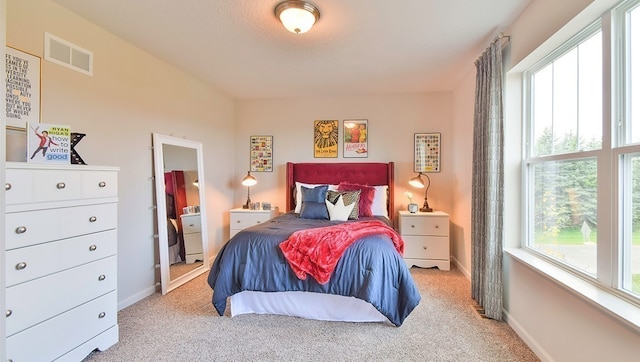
{"x":314,"y":210}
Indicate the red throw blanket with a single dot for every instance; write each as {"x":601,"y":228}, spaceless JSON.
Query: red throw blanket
{"x":317,"y":251}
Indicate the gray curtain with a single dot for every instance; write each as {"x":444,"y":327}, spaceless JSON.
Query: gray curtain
{"x":488,"y":179}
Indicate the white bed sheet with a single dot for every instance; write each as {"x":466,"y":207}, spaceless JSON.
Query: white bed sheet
{"x":309,"y":305}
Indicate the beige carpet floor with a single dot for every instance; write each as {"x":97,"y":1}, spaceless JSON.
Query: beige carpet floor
{"x":183,"y":326}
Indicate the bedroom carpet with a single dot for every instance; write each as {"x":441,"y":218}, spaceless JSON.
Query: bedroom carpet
{"x":183,"y":326}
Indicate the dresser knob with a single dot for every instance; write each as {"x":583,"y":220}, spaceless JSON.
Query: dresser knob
{"x":21,"y":265}
{"x":437,"y":226}
{"x":413,"y":226}
{"x":424,"y":248}
{"x":9,"y":313}
{"x":102,"y":184}
{"x":102,"y":277}
{"x":93,"y":248}
{"x":21,"y":229}
{"x":61,"y":185}
{"x":237,"y":221}
{"x":7,"y":186}
{"x":257,"y":222}
{"x":93,"y":219}
{"x":101,"y":315}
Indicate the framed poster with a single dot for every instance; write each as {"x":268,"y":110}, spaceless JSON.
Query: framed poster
{"x":325,"y":138}
{"x":426,"y":148}
{"x":355,"y":138}
{"x":23,"y":88}
{"x":261,"y":151}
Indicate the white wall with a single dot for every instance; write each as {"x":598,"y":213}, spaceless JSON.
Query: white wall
{"x":555,"y":323}
{"x":392,"y":121}
{"x":130,"y":96}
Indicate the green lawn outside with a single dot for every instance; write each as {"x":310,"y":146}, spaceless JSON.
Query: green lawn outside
{"x":574,"y":237}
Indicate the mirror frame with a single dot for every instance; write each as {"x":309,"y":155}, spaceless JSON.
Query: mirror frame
{"x":159,"y":141}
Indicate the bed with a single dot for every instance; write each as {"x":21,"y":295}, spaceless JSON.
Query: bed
{"x":260,"y":269}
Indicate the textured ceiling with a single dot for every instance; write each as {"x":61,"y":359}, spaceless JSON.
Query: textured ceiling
{"x":357,"y":46}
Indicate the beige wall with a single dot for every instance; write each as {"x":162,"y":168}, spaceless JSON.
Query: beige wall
{"x":130,"y":96}
{"x":392,"y":121}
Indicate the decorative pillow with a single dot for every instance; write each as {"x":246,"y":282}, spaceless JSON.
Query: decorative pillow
{"x":315,"y":194}
{"x":380,"y":200}
{"x":339,"y":211}
{"x":348,"y":197}
{"x":366,"y":196}
{"x":314,"y":210}
{"x":298,"y":194}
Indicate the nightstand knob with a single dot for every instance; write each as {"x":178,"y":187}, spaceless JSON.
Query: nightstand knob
{"x":102,"y":277}
{"x":413,"y":226}
{"x":8,"y":313}
{"x":424,"y":247}
{"x":102,"y":314}
{"x":7,"y":186}
{"x":21,"y":265}
{"x":61,"y":185}
{"x":437,"y":226}
{"x":93,"y":248}
{"x":237,"y":221}
{"x":93,"y":219}
{"x":21,"y":229}
{"x":102,"y":184}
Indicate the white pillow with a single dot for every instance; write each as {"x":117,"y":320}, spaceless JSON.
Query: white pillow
{"x":379,"y":204}
{"x":339,"y":211}
{"x":309,"y":186}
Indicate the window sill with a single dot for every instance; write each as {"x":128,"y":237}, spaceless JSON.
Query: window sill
{"x":622,"y":310}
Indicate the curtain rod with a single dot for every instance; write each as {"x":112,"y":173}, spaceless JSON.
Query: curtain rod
{"x":501,"y":36}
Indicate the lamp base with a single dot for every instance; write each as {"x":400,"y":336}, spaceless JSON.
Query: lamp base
{"x":426,"y":209}
{"x":245,"y":206}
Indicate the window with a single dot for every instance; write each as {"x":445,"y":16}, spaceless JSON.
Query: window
{"x":582,"y":158}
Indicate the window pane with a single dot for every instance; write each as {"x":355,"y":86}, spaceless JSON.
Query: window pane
{"x":633,"y":99}
{"x":565,"y":212}
{"x":567,"y":101}
{"x":631,"y":223}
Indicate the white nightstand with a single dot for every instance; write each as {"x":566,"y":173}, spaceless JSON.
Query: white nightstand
{"x":426,"y":239}
{"x":243,"y":218}
{"x":192,"y":232}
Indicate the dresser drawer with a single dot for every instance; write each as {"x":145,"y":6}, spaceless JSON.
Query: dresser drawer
{"x":24,"y":264}
{"x":34,"y":185}
{"x":245,"y":220}
{"x":34,"y":227}
{"x":53,"y":294}
{"x":426,"y":247}
{"x":421,"y":225}
{"x":56,"y":336}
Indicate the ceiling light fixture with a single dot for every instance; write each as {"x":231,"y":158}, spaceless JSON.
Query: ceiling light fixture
{"x":297,"y":16}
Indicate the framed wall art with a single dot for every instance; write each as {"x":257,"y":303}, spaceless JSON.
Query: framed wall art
{"x":261,"y":151}
{"x":426,"y":148}
{"x":325,"y":138}
{"x":23,"y":88}
{"x":356,"y":136}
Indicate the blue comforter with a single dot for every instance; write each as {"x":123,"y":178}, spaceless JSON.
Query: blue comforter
{"x":370,"y":269}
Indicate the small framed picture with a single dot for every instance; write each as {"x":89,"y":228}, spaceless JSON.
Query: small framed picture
{"x":356,"y":137}
{"x":261,"y":153}
{"x":426,"y":148}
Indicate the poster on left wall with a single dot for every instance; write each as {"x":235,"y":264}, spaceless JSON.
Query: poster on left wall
{"x":23,"y":88}
{"x":48,"y":143}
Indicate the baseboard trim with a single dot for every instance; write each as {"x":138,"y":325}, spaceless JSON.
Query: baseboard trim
{"x":122,"y":304}
{"x":526,"y":337}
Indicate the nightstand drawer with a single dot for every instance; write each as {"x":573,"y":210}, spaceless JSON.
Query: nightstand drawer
{"x":420,"y":225}
{"x":426,"y":247}
{"x":244,"y":220}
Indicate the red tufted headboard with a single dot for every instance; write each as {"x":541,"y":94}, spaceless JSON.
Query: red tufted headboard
{"x":366,"y":173}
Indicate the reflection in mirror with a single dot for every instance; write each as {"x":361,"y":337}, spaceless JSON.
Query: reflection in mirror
{"x":179,"y":184}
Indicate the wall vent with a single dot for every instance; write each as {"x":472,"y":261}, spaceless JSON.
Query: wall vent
{"x":62,"y":52}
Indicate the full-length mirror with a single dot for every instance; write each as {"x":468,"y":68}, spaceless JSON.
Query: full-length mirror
{"x":181,"y":214}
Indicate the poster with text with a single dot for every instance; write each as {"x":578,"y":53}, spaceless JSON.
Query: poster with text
{"x":23,"y":88}
{"x":48,"y":143}
{"x":325,"y":138}
{"x":355,"y":138}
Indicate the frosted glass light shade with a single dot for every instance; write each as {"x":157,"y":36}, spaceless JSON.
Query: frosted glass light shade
{"x":297,"y":16}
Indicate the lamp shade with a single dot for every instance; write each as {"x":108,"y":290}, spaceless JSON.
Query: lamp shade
{"x":249,"y":180}
{"x":417,"y":182}
{"x":297,"y":16}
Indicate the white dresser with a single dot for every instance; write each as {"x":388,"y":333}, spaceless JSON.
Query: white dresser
{"x":60,"y":267}
{"x":426,"y":239}
{"x":192,"y":233}
{"x":243,"y":218}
